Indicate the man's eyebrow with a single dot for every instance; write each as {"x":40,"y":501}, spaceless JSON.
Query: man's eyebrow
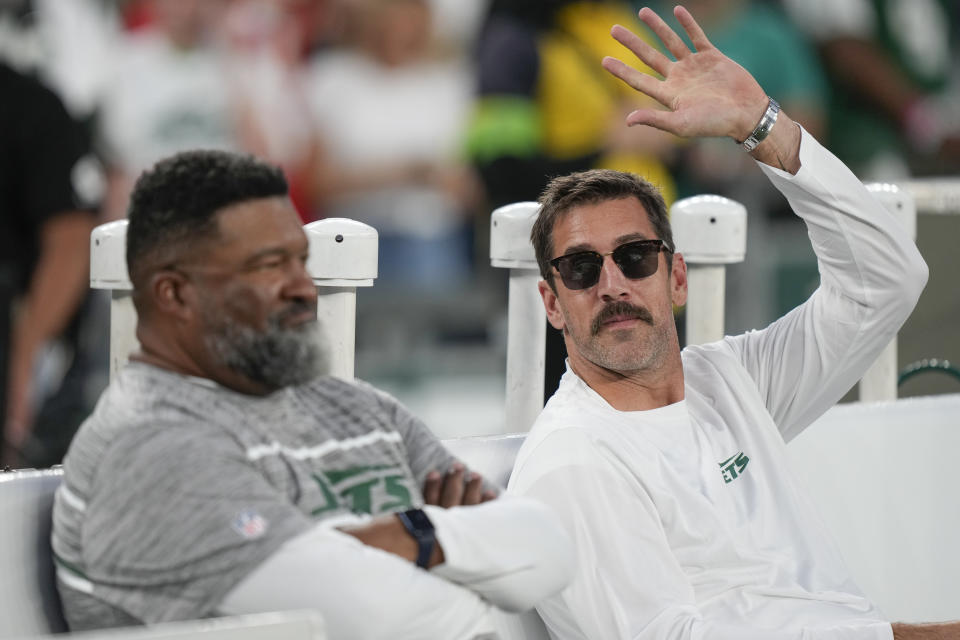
{"x":577,"y":248}
{"x":629,"y":237}
{"x":270,"y":252}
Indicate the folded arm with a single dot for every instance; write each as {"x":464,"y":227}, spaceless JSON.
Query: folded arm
{"x":510,"y":553}
{"x":361,"y":591}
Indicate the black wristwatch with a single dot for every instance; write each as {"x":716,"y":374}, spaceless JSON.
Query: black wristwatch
{"x":418,"y":525}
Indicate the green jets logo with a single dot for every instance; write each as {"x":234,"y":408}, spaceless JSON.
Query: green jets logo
{"x":373,"y":489}
{"x":732,"y":468}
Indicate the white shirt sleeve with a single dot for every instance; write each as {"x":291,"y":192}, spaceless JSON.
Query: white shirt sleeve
{"x":628,"y":583}
{"x":511,"y":552}
{"x":361,"y":592}
{"x":871,"y":276}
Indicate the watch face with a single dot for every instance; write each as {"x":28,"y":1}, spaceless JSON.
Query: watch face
{"x":419,"y":520}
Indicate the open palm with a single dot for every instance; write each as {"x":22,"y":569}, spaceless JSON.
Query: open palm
{"x":705,"y":92}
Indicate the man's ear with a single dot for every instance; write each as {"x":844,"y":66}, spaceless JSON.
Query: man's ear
{"x":678,"y":280}
{"x":169,"y":290}
{"x":551,"y":305}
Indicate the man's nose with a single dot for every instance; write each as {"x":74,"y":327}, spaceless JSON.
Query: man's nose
{"x":300,"y":284}
{"x":612,"y":284}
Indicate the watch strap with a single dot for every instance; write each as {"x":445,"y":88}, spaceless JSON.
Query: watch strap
{"x":418,"y":525}
{"x":763,"y":127}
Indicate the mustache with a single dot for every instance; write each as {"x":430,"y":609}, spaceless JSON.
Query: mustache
{"x":621,"y":309}
{"x":294,"y":309}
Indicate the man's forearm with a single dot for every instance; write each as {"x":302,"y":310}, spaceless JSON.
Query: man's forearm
{"x":56,"y":288}
{"x":513,"y":552}
{"x":361,"y":591}
{"x":781,"y":149}
{"x":388,"y":534}
{"x":59,"y":279}
{"x":944,"y":631}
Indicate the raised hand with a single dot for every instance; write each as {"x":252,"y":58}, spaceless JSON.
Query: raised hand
{"x":705,"y":92}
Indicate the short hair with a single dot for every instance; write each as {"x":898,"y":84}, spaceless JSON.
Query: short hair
{"x":174,"y":203}
{"x":591,"y":187}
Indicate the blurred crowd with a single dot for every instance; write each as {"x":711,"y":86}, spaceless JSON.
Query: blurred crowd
{"x":418,"y":117}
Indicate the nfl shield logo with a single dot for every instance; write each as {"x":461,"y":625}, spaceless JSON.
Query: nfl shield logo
{"x":249,"y":524}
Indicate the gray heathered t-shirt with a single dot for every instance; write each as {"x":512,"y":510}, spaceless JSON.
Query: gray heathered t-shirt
{"x":176,"y":488}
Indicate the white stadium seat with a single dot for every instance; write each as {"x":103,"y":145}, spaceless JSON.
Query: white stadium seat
{"x":29,"y":604}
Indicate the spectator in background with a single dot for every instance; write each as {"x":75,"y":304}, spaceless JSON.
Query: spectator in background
{"x":49,"y":187}
{"x":390,"y":116}
{"x":545,"y":108}
{"x":68,"y":45}
{"x":542,"y":107}
{"x":267,"y":42}
{"x":170,"y":92}
{"x":890,"y":63}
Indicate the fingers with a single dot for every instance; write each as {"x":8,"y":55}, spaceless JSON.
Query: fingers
{"x":455,"y":488}
{"x":697,"y":36}
{"x":667,"y":121}
{"x":451,"y":494}
{"x":431,"y":488}
{"x":650,"y":56}
{"x":640,"y":81}
{"x":670,"y":40}
{"x":474,"y":489}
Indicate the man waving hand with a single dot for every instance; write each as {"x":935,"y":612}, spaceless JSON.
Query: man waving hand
{"x":668,"y":466}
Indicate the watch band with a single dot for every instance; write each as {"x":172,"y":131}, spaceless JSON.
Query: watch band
{"x":763,"y":127}
{"x":418,"y":525}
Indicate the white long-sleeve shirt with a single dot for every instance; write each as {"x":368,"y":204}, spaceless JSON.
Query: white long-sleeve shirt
{"x":687,"y":521}
{"x":508,"y":553}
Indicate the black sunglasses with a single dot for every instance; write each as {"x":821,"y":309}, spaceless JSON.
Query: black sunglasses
{"x":637,"y":259}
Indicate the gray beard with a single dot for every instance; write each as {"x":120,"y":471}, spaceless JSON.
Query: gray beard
{"x":274,"y":358}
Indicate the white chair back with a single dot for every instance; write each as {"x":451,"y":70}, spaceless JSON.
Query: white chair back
{"x":883,"y":477}
{"x":29,"y":603}
{"x":281,"y":625}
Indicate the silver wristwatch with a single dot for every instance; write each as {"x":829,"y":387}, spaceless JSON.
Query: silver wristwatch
{"x":763,"y":127}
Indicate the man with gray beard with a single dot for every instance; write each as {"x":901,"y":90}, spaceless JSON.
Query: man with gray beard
{"x":277,"y":357}
{"x":224,"y":473}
